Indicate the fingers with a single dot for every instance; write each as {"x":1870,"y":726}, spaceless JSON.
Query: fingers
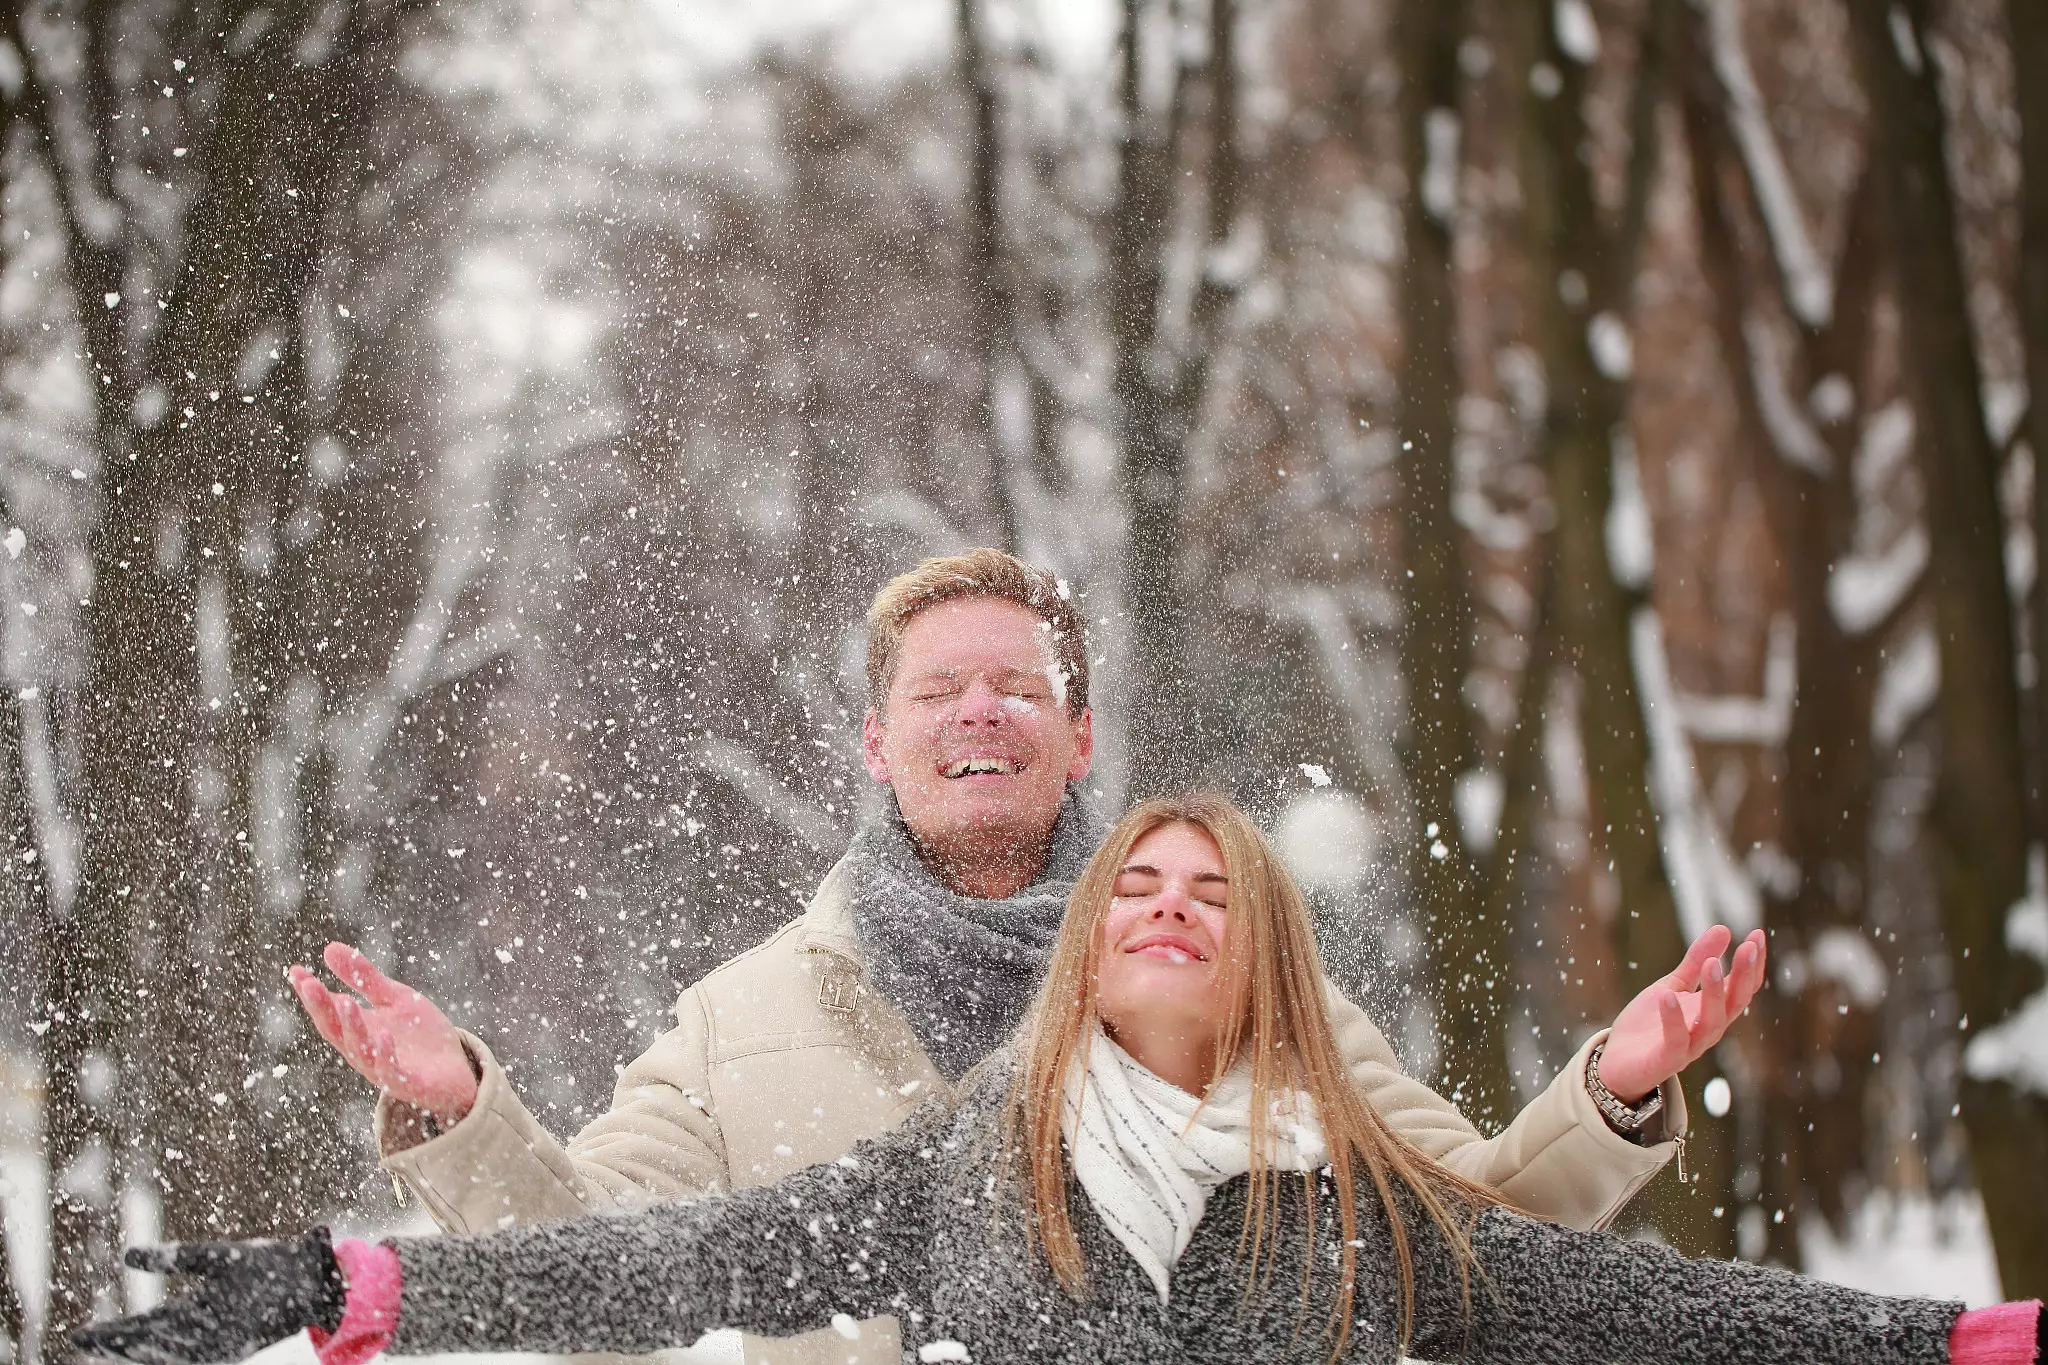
{"x":356,"y":1043}
{"x":1746,"y":973}
{"x":1712,"y":1020}
{"x":155,"y":1260}
{"x":362,"y":974}
{"x":1671,"y":1024}
{"x":318,"y":1003}
{"x":1708,"y":947}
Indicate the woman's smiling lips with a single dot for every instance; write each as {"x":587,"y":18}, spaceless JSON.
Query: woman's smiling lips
{"x":1167,"y":947}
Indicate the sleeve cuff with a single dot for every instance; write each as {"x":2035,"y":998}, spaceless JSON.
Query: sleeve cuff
{"x":401,"y":1126}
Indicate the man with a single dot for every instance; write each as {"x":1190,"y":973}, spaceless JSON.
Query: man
{"x":918,"y":953}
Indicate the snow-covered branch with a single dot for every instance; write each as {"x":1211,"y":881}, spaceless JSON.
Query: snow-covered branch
{"x":1809,"y":291}
{"x":735,"y":766}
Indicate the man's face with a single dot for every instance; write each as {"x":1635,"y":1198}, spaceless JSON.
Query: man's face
{"x":974,"y":735}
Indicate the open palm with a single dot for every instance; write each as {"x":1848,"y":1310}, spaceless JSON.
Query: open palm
{"x":1673,"y":1022}
{"x":399,"y":1039}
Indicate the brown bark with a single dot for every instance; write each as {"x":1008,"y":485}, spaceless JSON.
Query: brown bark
{"x":2029,"y":26}
{"x":1471,"y":970}
{"x":1155,"y":411}
{"x":987,"y":282}
{"x":1577,"y":270}
{"x":1818,"y":1070}
{"x":1980,"y":810}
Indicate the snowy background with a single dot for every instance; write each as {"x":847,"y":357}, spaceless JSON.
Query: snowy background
{"x":445,"y":452}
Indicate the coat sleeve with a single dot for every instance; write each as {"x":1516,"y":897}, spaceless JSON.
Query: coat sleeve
{"x":1558,"y":1159}
{"x":1547,"y":1292}
{"x":847,"y":1238}
{"x":499,"y":1166}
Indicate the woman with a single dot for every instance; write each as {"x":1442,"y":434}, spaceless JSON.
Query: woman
{"x":1079,"y":1202}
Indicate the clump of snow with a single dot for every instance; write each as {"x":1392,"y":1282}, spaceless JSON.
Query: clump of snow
{"x":1328,"y":840}
{"x":1846,"y":958}
{"x":1608,"y":340}
{"x":1865,"y":589}
{"x":1808,"y":286}
{"x":1316,"y":773}
{"x":1792,"y":435}
{"x":1735,"y":718}
{"x":1439,"y":188}
{"x":1906,"y":688}
{"x":2015,"y":1049}
{"x":1706,"y":881}
{"x":1631,"y":544}
{"x":944,"y":1349}
{"x":1478,"y":794}
{"x":1886,"y":441}
{"x":1578,"y":37}
{"x":1832,"y":400}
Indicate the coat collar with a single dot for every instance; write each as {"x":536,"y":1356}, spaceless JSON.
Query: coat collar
{"x":827,"y":922}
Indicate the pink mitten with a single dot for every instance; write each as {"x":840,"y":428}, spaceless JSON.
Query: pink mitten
{"x":369,"y":1315}
{"x":2005,"y":1334}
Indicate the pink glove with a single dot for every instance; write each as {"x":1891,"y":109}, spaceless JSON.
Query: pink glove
{"x":2006,"y":1334}
{"x":369,"y":1315}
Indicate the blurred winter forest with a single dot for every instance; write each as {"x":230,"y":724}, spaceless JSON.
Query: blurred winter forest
{"x":1567,"y":464}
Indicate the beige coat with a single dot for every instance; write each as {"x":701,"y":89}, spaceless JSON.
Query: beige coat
{"x":782,"y":1059}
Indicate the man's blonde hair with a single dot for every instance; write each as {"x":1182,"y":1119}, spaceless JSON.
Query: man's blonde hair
{"x":978,"y":573}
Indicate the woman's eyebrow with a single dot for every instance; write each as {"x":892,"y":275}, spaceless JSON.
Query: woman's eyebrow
{"x":1144,"y":868}
{"x":1212,"y":877}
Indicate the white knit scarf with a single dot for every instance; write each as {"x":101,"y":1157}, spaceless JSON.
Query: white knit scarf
{"x":1149,"y":1161}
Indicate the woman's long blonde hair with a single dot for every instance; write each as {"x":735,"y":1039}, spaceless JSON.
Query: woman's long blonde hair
{"x":1284,"y":1031}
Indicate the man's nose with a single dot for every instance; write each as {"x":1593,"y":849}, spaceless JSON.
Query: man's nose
{"x":980,"y":704}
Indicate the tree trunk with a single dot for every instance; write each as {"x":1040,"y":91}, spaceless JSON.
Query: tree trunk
{"x":988,"y":286}
{"x":1817,"y":1072}
{"x":2029,"y":25}
{"x":1471,"y":971}
{"x":1980,"y":809}
{"x":1579,"y":271}
{"x":1153,"y":413}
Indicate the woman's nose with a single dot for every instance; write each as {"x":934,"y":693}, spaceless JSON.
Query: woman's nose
{"x":1171,"y":904}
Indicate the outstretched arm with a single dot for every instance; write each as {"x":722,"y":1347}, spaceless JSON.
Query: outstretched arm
{"x":847,"y":1238}
{"x":1548,"y":1292}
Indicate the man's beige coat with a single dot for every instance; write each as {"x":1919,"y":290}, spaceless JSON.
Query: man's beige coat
{"x":782,"y":1059}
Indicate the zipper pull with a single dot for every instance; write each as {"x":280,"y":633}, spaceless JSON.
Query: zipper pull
{"x":1680,"y":1140}
{"x":398,"y":1187}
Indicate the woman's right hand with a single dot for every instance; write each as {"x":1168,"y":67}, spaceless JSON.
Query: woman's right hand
{"x":400,"y":1041}
{"x":238,"y":1297}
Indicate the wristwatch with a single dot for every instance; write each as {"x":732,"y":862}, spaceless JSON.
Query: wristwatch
{"x":1627,"y":1120}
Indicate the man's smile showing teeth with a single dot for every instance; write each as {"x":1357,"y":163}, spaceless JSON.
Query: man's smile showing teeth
{"x":977,"y":767}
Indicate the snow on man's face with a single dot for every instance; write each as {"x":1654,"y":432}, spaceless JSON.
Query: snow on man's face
{"x":974,"y":736}
{"x":1164,"y":981}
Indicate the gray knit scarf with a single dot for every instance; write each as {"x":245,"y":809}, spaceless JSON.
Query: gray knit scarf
{"x":962,"y":970}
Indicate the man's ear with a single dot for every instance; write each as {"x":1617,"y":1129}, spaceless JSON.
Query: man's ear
{"x":871,"y":747}
{"x":1084,"y":746}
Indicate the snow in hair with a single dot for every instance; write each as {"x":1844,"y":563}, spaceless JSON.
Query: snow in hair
{"x":982,"y":572}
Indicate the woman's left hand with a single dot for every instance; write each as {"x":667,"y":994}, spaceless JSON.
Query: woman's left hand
{"x":1675,"y":1020}
{"x":238,"y":1298}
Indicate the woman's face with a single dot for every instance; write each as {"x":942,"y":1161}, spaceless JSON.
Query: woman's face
{"x":1164,"y":977}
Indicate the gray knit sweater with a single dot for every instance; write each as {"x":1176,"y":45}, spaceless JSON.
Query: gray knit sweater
{"x":911,"y":1225}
